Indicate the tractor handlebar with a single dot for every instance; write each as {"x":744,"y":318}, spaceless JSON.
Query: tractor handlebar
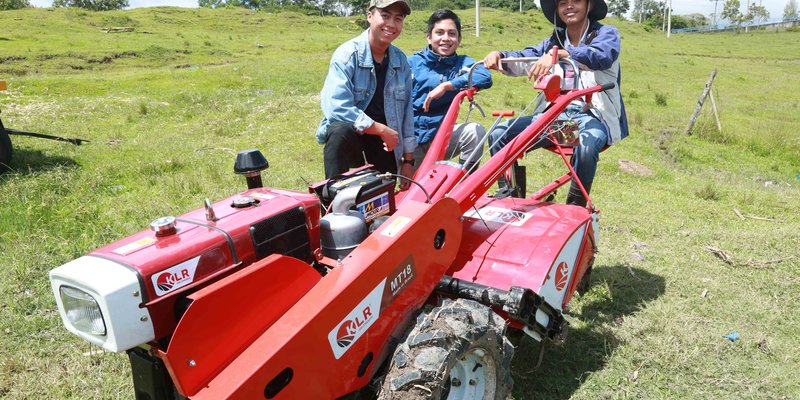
{"x":519,"y":66}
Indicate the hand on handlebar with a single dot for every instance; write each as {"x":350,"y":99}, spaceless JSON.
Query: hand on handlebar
{"x":540,"y":67}
{"x":492,"y":61}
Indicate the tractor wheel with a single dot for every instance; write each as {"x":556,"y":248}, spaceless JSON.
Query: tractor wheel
{"x":456,"y":351}
{"x":5,"y":150}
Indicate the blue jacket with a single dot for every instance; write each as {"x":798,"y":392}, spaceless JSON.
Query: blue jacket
{"x":598,"y":57}
{"x":350,"y":85}
{"x":429,"y":70}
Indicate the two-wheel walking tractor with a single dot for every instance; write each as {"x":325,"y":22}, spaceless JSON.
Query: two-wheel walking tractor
{"x":274,"y":293}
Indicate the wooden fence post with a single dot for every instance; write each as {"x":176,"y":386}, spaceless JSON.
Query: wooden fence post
{"x":700,"y":102}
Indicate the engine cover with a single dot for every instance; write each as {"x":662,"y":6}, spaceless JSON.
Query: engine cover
{"x":199,"y":252}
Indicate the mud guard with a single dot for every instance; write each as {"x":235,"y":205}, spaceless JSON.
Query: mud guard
{"x":226,"y":316}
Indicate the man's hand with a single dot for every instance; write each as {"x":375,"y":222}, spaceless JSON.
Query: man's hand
{"x":492,"y":61}
{"x":437,"y":92}
{"x":543,"y":64}
{"x":406,"y":170}
{"x":389,"y":136}
{"x":540,"y":67}
{"x":390,"y":139}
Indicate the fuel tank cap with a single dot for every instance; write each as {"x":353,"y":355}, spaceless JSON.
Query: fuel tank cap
{"x":164,"y":226}
{"x":243,"y":202}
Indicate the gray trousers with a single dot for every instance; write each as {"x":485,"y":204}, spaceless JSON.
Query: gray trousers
{"x":465,"y":142}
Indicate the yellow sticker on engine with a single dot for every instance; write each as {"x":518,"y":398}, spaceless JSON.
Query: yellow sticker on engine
{"x":395,"y":226}
{"x":133,"y":246}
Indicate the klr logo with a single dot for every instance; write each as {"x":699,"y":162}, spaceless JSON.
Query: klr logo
{"x":167,"y":280}
{"x":358,"y":321}
{"x":175,"y":277}
{"x":349,"y":329}
{"x":562,"y":276}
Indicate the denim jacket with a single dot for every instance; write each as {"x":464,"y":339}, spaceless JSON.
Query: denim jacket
{"x":350,"y":85}
{"x":598,"y":59}
{"x":429,"y":70}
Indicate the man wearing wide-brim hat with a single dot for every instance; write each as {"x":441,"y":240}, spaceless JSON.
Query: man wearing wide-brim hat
{"x":596,"y":49}
{"x":366,"y":99}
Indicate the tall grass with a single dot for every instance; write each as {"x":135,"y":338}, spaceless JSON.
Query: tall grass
{"x":167,"y":106}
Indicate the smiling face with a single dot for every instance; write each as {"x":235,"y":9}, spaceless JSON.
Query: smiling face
{"x":573,"y":12}
{"x":444,"y":38}
{"x":385,"y":25}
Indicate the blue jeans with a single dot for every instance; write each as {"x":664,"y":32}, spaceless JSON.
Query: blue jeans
{"x":593,"y":137}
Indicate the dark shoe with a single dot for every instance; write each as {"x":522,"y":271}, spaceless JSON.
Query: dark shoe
{"x":576,"y":200}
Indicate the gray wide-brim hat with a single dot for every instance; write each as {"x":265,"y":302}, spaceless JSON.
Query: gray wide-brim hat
{"x":550,"y":11}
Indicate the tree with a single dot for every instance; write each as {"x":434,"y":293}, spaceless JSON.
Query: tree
{"x":644,"y":10}
{"x":679,"y":22}
{"x":688,"y":21}
{"x":618,"y":8}
{"x":252,"y":4}
{"x":756,"y":13}
{"x":730,"y":11}
{"x":790,"y":11}
{"x":93,"y":5}
{"x":14,"y":4}
{"x":696,"y":19}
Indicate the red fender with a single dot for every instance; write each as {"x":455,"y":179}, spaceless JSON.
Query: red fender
{"x":228,"y":315}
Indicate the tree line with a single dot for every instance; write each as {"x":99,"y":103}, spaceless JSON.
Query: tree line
{"x":350,"y":7}
{"x":651,"y":13}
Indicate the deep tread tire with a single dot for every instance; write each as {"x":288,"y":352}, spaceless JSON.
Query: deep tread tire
{"x":5,"y":150}
{"x":448,"y":337}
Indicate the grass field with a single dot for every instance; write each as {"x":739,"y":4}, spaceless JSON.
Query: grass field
{"x":168,"y":105}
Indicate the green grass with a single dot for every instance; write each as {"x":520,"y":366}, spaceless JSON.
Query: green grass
{"x":167,"y":107}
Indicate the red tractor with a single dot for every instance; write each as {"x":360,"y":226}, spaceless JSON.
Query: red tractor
{"x":274,"y":293}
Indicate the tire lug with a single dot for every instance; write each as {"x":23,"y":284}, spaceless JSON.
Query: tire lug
{"x":455,"y":382}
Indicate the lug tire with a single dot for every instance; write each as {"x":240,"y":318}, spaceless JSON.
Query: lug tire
{"x":456,"y":351}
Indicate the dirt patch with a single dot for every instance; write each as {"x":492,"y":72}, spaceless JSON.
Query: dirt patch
{"x":4,"y":60}
{"x":634,"y":168}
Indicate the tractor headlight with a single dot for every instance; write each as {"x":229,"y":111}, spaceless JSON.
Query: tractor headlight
{"x":82,"y":311}
{"x":102,"y":301}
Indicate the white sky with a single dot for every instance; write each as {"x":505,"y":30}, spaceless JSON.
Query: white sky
{"x":680,"y":7}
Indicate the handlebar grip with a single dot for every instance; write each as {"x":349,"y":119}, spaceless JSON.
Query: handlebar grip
{"x":503,"y":113}
{"x":608,"y":86}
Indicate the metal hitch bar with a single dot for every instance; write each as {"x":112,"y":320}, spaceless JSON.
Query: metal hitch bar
{"x":74,"y":141}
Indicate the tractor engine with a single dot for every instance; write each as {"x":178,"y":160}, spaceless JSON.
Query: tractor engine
{"x":133,"y":291}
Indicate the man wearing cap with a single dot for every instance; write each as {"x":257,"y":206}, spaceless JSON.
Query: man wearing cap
{"x":366,"y":99}
{"x":596,"y":48}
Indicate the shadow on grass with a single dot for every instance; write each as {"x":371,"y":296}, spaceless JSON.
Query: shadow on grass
{"x":566,"y":366}
{"x":26,"y":161}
